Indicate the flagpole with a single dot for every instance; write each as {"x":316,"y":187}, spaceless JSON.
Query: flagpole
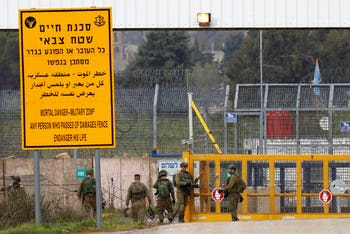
{"x":316,"y":81}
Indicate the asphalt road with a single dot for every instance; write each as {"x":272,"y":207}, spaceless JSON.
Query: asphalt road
{"x":300,"y":226}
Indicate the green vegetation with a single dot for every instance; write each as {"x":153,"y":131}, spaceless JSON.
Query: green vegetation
{"x":9,"y":60}
{"x":112,"y":221}
{"x":289,"y":57}
{"x":163,"y":53}
{"x":17,"y":215}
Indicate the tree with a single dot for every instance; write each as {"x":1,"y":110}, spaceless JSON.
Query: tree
{"x":289,"y":57}
{"x":205,"y":77}
{"x":232,"y":44}
{"x":198,"y":56}
{"x":9,"y":60}
{"x":162,"y":59}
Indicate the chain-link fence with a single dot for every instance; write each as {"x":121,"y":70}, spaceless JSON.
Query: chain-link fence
{"x":135,"y":115}
{"x":296,"y":119}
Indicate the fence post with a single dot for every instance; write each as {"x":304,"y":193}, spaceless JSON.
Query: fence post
{"x":155,"y":103}
{"x":225,"y":110}
{"x":37,"y":187}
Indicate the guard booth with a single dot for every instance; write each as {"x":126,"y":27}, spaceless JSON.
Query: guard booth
{"x":278,"y":186}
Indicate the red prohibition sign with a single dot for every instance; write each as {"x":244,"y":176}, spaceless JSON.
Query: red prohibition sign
{"x":325,"y":196}
{"x":216,"y":195}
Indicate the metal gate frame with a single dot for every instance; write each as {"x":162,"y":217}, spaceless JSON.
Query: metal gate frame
{"x":192,"y":216}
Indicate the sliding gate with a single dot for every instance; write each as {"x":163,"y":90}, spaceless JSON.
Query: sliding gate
{"x":279,"y":186}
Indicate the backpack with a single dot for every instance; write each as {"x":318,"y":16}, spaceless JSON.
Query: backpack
{"x":163,"y":189}
{"x":137,"y":191}
{"x":241,"y":185}
{"x":89,"y":187}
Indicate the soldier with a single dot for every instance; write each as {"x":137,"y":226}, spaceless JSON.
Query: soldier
{"x":15,"y":188}
{"x":87,"y":192}
{"x":183,"y":183}
{"x":232,"y":190}
{"x":137,"y":193}
{"x":166,"y":196}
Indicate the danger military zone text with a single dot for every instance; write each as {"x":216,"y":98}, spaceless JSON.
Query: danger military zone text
{"x":81,"y":124}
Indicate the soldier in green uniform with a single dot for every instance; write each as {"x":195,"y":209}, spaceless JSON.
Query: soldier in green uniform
{"x":166,"y":196}
{"x":183,"y":183}
{"x":137,"y":194}
{"x":232,"y":190}
{"x":87,"y":192}
{"x":15,"y":188}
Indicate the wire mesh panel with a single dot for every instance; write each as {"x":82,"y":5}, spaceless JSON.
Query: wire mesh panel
{"x":285,"y":180}
{"x":341,"y":97}
{"x":298,"y":118}
{"x":314,"y":97}
{"x":339,"y":185}
{"x":281,"y":97}
{"x":258,"y":184}
{"x":248,"y":97}
{"x":312,"y":177}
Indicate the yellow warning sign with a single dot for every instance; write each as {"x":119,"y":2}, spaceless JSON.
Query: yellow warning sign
{"x":67,"y":78}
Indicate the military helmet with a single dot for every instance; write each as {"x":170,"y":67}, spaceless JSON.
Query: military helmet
{"x":184,"y":164}
{"x":17,"y":178}
{"x":163,"y":173}
{"x":90,"y":171}
{"x":232,"y":166}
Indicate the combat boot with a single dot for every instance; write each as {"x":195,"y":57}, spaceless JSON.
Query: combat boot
{"x":235,"y":219}
{"x":181,"y":219}
{"x":170,"y":220}
{"x":161,"y":221}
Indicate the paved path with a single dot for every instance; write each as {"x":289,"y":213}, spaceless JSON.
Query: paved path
{"x":300,"y":226}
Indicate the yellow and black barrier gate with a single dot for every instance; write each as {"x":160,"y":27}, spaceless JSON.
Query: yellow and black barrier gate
{"x":278,"y":186}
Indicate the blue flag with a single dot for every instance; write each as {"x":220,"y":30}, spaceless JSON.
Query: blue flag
{"x":317,"y":78}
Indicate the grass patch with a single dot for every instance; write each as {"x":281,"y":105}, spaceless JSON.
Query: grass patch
{"x":112,"y":221}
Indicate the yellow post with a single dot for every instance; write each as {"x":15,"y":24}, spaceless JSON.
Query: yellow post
{"x":194,"y":107}
{"x":204,"y":186}
{"x":272,"y":186}
{"x":217,"y":184}
{"x":325,"y":183}
{"x":245,"y":178}
{"x":186,"y":157}
{"x":299,"y":189}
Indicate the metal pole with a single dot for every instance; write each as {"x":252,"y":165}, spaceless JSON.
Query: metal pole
{"x":225,"y":124}
{"x":3,"y":176}
{"x":155,"y":103}
{"x":297,"y":122}
{"x":37,"y":187}
{"x":330,"y":120}
{"x":75,"y":153}
{"x":190,"y":119}
{"x":236,"y":137}
{"x":261,"y":125}
{"x":98,"y":189}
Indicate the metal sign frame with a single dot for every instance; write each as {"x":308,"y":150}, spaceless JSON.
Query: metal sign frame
{"x":67,"y":78}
